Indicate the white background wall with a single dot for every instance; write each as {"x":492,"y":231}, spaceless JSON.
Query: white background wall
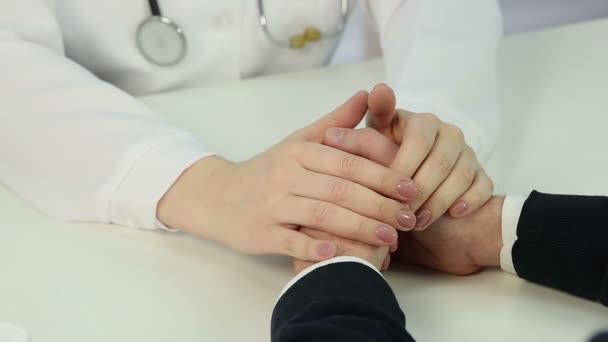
{"x":526,"y":15}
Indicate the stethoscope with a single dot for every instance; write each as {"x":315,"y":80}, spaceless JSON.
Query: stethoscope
{"x":163,"y":42}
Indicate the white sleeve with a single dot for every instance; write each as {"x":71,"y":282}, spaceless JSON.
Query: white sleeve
{"x":72,"y":145}
{"x":440,"y":57}
{"x":334,"y":260}
{"x":511,"y":211}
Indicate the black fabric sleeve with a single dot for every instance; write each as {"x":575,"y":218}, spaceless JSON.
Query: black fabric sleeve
{"x":345,"y":301}
{"x":562,"y":242}
{"x":603,"y":337}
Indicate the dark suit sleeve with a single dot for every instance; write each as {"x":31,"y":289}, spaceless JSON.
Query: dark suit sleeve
{"x":603,"y":337}
{"x":345,"y":301}
{"x":562,"y":242}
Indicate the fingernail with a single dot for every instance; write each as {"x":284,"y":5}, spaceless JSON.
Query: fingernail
{"x":407,"y":189}
{"x":386,"y":234}
{"x":459,"y":208}
{"x":335,"y":135}
{"x":406,"y":219}
{"x":325,"y":249}
{"x":423,"y":218}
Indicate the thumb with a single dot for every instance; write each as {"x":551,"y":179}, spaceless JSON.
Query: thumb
{"x":347,"y":115}
{"x":382,"y":103}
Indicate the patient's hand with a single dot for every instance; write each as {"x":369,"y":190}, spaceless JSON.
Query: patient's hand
{"x":457,"y":245}
{"x":377,"y":256}
{"x":447,"y":175}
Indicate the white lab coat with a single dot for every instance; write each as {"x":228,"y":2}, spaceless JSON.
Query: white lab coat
{"x":76,"y":144}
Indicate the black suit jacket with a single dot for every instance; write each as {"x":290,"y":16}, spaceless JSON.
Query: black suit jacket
{"x":562,"y":242}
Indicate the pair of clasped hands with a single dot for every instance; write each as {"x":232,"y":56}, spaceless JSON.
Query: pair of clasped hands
{"x":330,"y":189}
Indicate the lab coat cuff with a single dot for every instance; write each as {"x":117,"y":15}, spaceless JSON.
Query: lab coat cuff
{"x":473,"y":132}
{"x":334,"y":260}
{"x":135,"y":201}
{"x":511,"y":211}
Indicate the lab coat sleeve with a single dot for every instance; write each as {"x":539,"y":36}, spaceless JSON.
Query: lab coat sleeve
{"x":440,"y":57}
{"x":72,"y":145}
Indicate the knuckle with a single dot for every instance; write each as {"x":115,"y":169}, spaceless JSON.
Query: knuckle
{"x":443,"y":163}
{"x":387,"y":180}
{"x":361,"y":231}
{"x":429,"y":117}
{"x":422,"y":193}
{"x":340,"y":190}
{"x":466,"y":176}
{"x":476,"y":195}
{"x":289,"y":244}
{"x":486,"y":183}
{"x":440,"y":205}
{"x":350,"y":164}
{"x":381,"y":208}
{"x":319,"y":213}
{"x":420,"y":141}
{"x":491,"y":186}
{"x":455,"y":131}
{"x":293,"y":149}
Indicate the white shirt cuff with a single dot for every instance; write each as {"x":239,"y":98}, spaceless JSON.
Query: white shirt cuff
{"x":511,"y":211}
{"x":135,"y":201}
{"x":311,"y":268}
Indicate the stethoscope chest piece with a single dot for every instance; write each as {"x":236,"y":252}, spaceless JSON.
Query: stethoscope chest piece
{"x":161,"y":41}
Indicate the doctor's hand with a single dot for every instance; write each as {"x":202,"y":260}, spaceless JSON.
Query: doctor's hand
{"x":377,"y":256}
{"x":258,"y":205}
{"x":457,"y":245}
{"x":445,"y":170}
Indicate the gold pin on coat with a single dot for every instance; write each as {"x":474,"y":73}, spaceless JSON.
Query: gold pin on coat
{"x":297,"y":42}
{"x":311,"y":34}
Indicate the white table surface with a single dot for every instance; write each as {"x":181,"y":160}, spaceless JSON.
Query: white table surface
{"x":90,"y":282}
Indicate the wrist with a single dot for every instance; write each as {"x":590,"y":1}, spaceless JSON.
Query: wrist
{"x":187,"y":205}
{"x":487,"y":242}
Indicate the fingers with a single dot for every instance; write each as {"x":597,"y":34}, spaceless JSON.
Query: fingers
{"x":418,"y":139}
{"x":386,"y":263}
{"x":282,"y":240}
{"x":348,"y":115}
{"x":454,"y":186}
{"x":336,"y":220}
{"x":477,"y":195}
{"x":356,"y":198}
{"x":438,"y":165}
{"x":331,"y":161}
{"x":367,"y":143}
{"x":347,"y":247}
{"x":381,"y":103}
{"x":393,"y":248}
{"x":300,"y":265}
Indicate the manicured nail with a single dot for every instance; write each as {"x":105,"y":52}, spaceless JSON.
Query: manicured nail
{"x":407,"y":189}
{"x":423,"y":218}
{"x":335,"y":135}
{"x":406,"y":219}
{"x":325,"y":249}
{"x":459,"y":208}
{"x":386,"y":234}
